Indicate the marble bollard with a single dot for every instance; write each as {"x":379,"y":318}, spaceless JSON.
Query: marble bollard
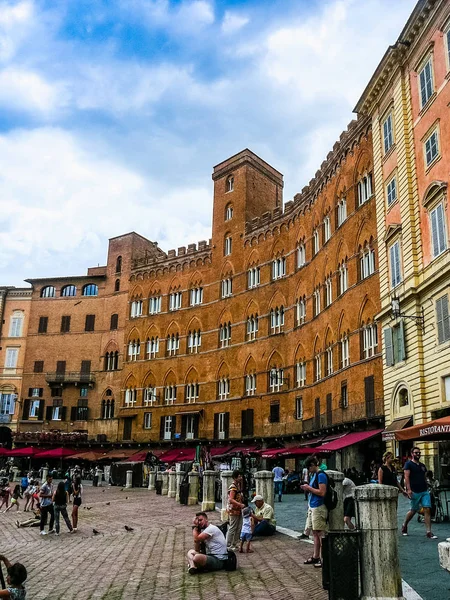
{"x":444,"y":554}
{"x":151,"y":480}
{"x":172,"y":492}
{"x":226,"y":481}
{"x":264,"y":486}
{"x":44,"y":474}
{"x":209,"y":488}
{"x":129,"y":483}
{"x":99,"y":474}
{"x":193,"y":488}
{"x":165,"y":483}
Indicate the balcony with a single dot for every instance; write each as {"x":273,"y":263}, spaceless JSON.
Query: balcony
{"x":70,"y":377}
{"x":350,"y":414}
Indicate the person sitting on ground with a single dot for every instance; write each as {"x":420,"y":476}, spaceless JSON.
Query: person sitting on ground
{"x":17,"y":575}
{"x":32,"y":521}
{"x":263,"y":518}
{"x":215,"y":544}
{"x":247,"y":529}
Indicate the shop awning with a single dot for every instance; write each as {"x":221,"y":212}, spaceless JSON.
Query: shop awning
{"x":389,"y":433}
{"x":56,"y":453}
{"x":312,"y":441}
{"x":27,"y":452}
{"x":118,"y":454}
{"x":433,"y":430}
{"x":138,"y":457}
{"x":302,"y":451}
{"x":177,"y":455}
{"x":4,"y":452}
{"x":272,"y":452}
{"x":219,"y":450}
{"x":349,"y":440}
{"x":89,"y":455}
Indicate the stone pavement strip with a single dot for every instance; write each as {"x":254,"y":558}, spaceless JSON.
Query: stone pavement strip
{"x":148,"y":563}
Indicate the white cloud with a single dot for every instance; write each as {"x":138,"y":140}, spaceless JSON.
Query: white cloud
{"x":188,"y":17}
{"x":28,"y":91}
{"x":233,"y":22}
{"x":15,"y":22}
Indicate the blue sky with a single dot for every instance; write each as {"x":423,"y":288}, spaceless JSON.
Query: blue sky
{"x":113,"y":112}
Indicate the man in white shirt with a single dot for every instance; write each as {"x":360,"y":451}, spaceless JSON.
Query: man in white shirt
{"x":278,"y":473}
{"x":215,"y":543}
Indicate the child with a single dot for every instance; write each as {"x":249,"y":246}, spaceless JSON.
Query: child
{"x":246,"y":531}
{"x":17,"y":574}
{"x":15,"y":499}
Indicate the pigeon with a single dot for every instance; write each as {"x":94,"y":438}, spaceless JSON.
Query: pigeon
{"x":126,"y":497}
{"x":108,"y":503}
{"x":95,"y":532}
{"x":121,"y":490}
{"x":128,"y":528}
{"x":103,"y":491}
{"x":88,"y":507}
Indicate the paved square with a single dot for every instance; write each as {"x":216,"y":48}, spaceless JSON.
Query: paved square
{"x":148,"y":563}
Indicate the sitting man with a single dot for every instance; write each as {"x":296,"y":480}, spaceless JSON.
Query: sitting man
{"x":215,"y":544}
{"x":264,"y":523}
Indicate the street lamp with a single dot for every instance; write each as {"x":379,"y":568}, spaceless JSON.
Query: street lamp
{"x":396,"y":313}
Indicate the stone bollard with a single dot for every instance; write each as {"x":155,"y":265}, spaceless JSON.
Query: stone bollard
{"x":226,"y":480}
{"x":209,"y":489}
{"x":380,"y":566}
{"x":444,"y":554}
{"x":99,"y":474}
{"x":165,"y":483}
{"x":264,"y":486}
{"x":151,"y":479}
{"x":44,"y":474}
{"x":172,"y":484}
{"x":193,"y":488}
{"x":129,"y":483}
{"x":15,"y":471}
{"x":336,"y":516}
{"x":178,"y":481}
{"x":107,"y":474}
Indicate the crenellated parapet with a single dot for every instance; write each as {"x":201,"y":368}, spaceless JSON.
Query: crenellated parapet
{"x":174,"y":260}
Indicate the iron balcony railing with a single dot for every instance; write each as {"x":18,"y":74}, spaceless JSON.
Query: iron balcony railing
{"x":348,"y":414}
{"x":70,"y":377}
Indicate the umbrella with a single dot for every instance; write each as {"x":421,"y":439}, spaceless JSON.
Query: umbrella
{"x":56,"y":453}
{"x":4,"y":452}
{"x":25,"y":452}
{"x":90,"y":455}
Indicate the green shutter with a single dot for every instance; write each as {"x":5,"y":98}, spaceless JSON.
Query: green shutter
{"x":445,"y":319}
{"x":389,"y":346}
{"x":440,"y":318}
{"x":401,"y":353}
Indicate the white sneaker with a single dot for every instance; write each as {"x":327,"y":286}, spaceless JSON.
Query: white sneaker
{"x":51,"y":531}
{"x":43,"y":533}
{"x":56,"y":533}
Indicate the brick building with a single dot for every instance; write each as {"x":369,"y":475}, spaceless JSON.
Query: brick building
{"x":267,"y":332}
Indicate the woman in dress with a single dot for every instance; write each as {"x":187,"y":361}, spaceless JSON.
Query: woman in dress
{"x":77,"y":492}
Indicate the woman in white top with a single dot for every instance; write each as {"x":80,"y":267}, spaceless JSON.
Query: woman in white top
{"x":348,"y":492}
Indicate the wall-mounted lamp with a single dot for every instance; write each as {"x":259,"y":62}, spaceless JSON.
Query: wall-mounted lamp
{"x":396,"y":313}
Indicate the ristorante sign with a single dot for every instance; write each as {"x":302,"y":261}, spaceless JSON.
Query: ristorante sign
{"x":434,"y":430}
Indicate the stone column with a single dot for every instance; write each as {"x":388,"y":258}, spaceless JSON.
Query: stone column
{"x":336,"y":516}
{"x":129,"y":483}
{"x":172,"y":484}
{"x":151,"y":480}
{"x":15,"y":470}
{"x":107,"y":470}
{"x":193,"y":488}
{"x":179,"y":478}
{"x":226,"y":479}
{"x":44,"y":473}
{"x":380,"y":568}
{"x":99,"y":474}
{"x":444,"y":554}
{"x":264,"y":486}
{"x":165,"y":483}
{"x":209,"y":489}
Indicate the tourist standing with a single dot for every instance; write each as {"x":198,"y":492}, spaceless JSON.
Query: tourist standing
{"x":417,"y":490}
{"x":77,"y":491}
{"x":60,"y":500}
{"x":46,"y":505}
{"x":278,"y":473}
{"x":348,"y":493}
{"x":387,"y":475}
{"x":318,"y":515}
{"x":15,"y":499}
{"x":234,"y":508}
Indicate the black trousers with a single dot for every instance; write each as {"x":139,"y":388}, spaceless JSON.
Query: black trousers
{"x":47,"y":510}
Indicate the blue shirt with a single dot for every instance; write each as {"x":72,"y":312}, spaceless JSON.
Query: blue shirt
{"x":417,"y":476}
{"x":314,"y":500}
{"x":278,"y":473}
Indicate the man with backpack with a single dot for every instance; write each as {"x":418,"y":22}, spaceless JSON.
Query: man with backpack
{"x":318,"y":513}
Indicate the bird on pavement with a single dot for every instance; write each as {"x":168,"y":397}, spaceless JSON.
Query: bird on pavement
{"x":128,"y":528}
{"x":103,"y":491}
{"x":95,"y":532}
{"x":108,"y":503}
{"x":88,"y":507}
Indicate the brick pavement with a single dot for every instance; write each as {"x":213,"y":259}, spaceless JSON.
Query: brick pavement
{"x":150,"y":562}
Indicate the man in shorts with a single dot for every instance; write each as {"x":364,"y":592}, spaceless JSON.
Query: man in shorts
{"x":417,"y":489}
{"x":215,"y":544}
{"x":318,"y":513}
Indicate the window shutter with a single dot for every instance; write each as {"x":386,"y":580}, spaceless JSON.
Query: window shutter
{"x":216,"y":426}
{"x":440,"y":320}
{"x":26,"y":409}
{"x":183,"y":426}
{"x":441,"y":228}
{"x":30,"y":390}
{"x":41,"y":410}
{"x":161,"y":428}
{"x":196,"y":424}
{"x":243,"y":423}
{"x":41,"y":392}
{"x":389,"y":346}
{"x":250,"y":421}
{"x":174,"y":426}
{"x":435,"y":231}
{"x":226,"y":425}
{"x":73,"y":413}
{"x":63,"y":413}
{"x":401,"y":342}
{"x":48,"y":413}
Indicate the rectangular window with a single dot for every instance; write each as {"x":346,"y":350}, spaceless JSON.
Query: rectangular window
{"x":301,"y":374}
{"x":394,"y":257}
{"x":38,"y":366}
{"x":370,"y":340}
{"x":192,"y":392}
{"x":194,"y":341}
{"x":170,"y":394}
{"x":253,"y":277}
{"x":167,"y":428}
{"x":252,"y":327}
{"x":278,"y":268}
{"x":196,"y":296}
{"x":326,"y":229}
{"x":442,"y":319}
{"x":328,"y":291}
{"x":388,"y":135}
{"x":136,"y":308}
{"x":150,"y":397}
{"x":343,"y":278}
{"x":175,"y":300}
{"x":276,"y":320}
{"x":12,"y":354}
{"x":447,"y":388}
{"x":329,"y":361}
{"x":228,"y":244}
{"x":431,"y":148}
{"x":315,"y":242}
{"x":300,"y":311}
{"x":7,"y":404}
{"x":154,"y":305}
{"x":147,"y":420}
{"x":43,"y":323}
{"x":391,"y":191}
{"x":426,"y":83}
{"x":15,"y":329}
{"x":341,"y":212}
{"x":299,"y":408}
{"x":344,"y":395}
{"x":89,"y":323}
{"x":221,"y":425}
{"x":223,"y":388}
{"x":274,"y":416}
{"x":65,"y":324}
{"x":250,"y":384}
{"x":56,"y":410}
{"x":301,"y":255}
{"x":365,"y":189}
{"x":438,"y":232}
{"x":84,"y":391}
{"x":276,"y":379}
{"x":34,"y":408}
{"x":316,"y":297}
{"x":318,"y":367}
{"x":114,"y":321}
{"x":227,"y":287}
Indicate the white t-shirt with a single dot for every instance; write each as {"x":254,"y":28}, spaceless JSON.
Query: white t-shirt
{"x":305,"y":475}
{"x":216,"y":543}
{"x":348,"y":488}
{"x":278,"y":473}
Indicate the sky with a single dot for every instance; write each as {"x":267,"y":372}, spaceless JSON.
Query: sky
{"x":114,"y":112}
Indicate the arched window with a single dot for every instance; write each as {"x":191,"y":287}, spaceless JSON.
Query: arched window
{"x":48,"y":292}
{"x":229,"y":212}
{"x":276,"y":319}
{"x":90,"y":289}
{"x":252,"y":327}
{"x":69,"y":290}
{"x":119,"y":264}
{"x":117,"y":285}
{"x":230,"y":184}
{"x":134,"y":349}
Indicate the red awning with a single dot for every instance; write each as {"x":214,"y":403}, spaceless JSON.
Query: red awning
{"x":56,"y":453}
{"x":272,"y":452}
{"x":177,"y":455}
{"x":433,"y":430}
{"x":349,"y":439}
{"x":138,"y":457}
{"x":220,"y":450}
{"x":89,"y":455}
{"x":25,"y":452}
{"x":4,"y":452}
{"x":118,"y":454}
{"x":302,"y":451}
